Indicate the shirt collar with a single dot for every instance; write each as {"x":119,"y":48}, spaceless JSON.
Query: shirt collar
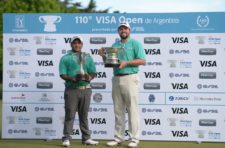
{"x":128,"y":40}
{"x":71,"y":52}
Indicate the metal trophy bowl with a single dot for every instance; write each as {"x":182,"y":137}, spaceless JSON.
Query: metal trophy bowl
{"x":111,"y":56}
{"x":81,"y":75}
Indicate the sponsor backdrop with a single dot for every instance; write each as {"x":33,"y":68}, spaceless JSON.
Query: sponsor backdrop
{"x":182,"y":89}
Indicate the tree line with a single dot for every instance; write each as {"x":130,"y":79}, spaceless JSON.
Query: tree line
{"x":43,"y":6}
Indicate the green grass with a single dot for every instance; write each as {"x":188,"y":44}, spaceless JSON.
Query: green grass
{"x":77,"y":143}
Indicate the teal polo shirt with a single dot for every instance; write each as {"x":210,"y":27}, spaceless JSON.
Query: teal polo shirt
{"x":132,"y":50}
{"x":69,"y":66}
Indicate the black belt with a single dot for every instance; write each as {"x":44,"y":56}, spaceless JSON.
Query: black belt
{"x":81,"y":87}
{"x":120,"y":75}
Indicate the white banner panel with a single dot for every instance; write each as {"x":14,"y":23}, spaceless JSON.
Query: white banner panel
{"x":182,"y":89}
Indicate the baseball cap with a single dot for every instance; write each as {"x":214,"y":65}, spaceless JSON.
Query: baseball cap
{"x":126,"y":24}
{"x":77,"y":38}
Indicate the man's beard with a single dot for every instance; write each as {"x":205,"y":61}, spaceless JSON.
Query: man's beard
{"x":124,"y":37}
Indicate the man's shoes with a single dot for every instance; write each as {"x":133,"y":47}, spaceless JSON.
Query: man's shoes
{"x":133,"y":144}
{"x":66,"y":143}
{"x":115,"y":142}
{"x":91,"y":142}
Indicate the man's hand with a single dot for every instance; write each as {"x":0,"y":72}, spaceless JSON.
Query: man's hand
{"x":101,"y":52}
{"x":88,"y":77}
{"x":75,"y":80}
{"x":68,"y":78}
{"x":123,"y":64}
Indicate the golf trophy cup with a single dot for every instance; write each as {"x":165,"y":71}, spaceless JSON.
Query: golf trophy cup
{"x":81,"y":75}
{"x":110,"y":57}
{"x":50,"y":22}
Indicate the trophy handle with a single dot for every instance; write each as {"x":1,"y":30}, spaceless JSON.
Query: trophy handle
{"x":58,"y":19}
{"x":41,"y":19}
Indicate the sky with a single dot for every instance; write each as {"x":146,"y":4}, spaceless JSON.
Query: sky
{"x":157,"y":6}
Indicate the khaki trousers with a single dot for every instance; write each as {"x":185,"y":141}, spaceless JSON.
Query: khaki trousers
{"x":125,"y":98}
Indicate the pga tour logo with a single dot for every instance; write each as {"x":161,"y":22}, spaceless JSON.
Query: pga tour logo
{"x":19,"y":21}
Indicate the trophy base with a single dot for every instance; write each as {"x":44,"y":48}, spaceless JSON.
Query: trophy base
{"x":112,"y":65}
{"x":112,"y":62}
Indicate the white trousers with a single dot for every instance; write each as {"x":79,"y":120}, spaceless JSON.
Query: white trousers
{"x":125,"y":96}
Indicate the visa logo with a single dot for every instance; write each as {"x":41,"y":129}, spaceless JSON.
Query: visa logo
{"x":208,"y":63}
{"x":180,"y":133}
{"x":152,"y":75}
{"x":152,"y":52}
{"x":45,"y":63}
{"x":180,"y":110}
{"x":100,"y":75}
{"x":94,"y":51}
{"x":106,"y":19}
{"x":179,"y":85}
{"x":18,"y":108}
{"x":152,"y":121}
{"x":98,"y":120}
{"x":180,"y":39}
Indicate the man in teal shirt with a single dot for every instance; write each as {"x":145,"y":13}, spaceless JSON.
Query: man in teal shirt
{"x":125,"y":86}
{"x":77,"y":69}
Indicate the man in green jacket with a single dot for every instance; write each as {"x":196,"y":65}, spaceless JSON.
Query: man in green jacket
{"x":77,"y":69}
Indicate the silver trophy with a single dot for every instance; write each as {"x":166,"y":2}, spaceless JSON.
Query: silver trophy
{"x":81,"y":75}
{"x":110,"y":57}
